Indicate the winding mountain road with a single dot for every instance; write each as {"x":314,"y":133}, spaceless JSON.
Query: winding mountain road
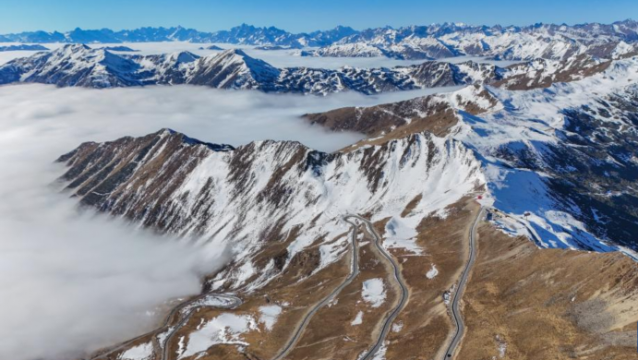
{"x":398,"y":278}
{"x":354,"y":271}
{"x":458,"y":294}
{"x":232,"y":302}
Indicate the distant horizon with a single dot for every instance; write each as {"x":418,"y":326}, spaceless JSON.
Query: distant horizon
{"x":300,"y":16}
{"x":457,"y":23}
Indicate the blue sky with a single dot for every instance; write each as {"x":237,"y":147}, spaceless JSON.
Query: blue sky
{"x":300,"y":15}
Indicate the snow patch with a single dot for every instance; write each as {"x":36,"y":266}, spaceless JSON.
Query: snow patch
{"x":380,"y":354}
{"x":139,"y":352}
{"x":374,"y":292}
{"x":223,"y":329}
{"x":397,"y":327}
{"x":358,"y":319}
{"x":401,"y":233}
{"x":269,"y":315}
{"x":432,"y":273}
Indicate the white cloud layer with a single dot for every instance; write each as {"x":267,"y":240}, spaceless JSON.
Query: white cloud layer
{"x":278,"y":58}
{"x":71,"y":282}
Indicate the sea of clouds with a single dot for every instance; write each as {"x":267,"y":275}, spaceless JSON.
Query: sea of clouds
{"x":277,"y":58}
{"x":71,"y":280}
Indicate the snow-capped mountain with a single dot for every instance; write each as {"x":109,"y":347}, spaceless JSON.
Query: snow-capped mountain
{"x":75,"y":65}
{"x":80,"y":65}
{"x":505,"y":46}
{"x":120,"y":48}
{"x":435,"y":114}
{"x":413,"y":48}
{"x":173,"y":183}
{"x":243,"y":34}
{"x":560,"y":161}
{"x":544,"y":141}
{"x":554,"y":161}
{"x":277,"y":206}
{"x":555,"y":42}
{"x":548,"y":41}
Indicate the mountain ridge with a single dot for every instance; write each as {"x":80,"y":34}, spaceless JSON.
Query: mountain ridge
{"x":539,"y":161}
{"x":585,"y":137}
{"x":339,"y":32}
{"x":279,"y":205}
{"x":548,"y":41}
{"x":80,"y":65}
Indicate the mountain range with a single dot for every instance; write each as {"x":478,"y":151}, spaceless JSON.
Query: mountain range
{"x":555,"y":165}
{"x":80,"y":65}
{"x":244,"y":34}
{"x":436,"y":41}
{"x":516,"y":193}
{"x":548,"y":41}
{"x":592,"y":138}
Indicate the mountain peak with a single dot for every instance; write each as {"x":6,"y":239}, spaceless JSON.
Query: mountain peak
{"x":76,"y":47}
{"x":230,"y":52}
{"x":233,"y":68}
{"x":187,"y":140}
{"x":169,"y":133}
{"x":165,"y":132}
{"x":183,"y":57}
{"x":239,"y":56}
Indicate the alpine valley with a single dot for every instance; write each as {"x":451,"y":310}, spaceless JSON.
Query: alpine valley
{"x":495,"y":220}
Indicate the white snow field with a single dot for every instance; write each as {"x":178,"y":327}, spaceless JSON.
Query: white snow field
{"x":373,"y":292}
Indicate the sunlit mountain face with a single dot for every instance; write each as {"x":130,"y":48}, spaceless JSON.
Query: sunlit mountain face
{"x":447,"y":191}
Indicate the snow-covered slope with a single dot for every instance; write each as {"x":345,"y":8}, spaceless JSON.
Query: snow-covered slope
{"x":413,"y":48}
{"x":73,"y":65}
{"x":572,"y":147}
{"x":80,"y":65}
{"x":347,"y":50}
{"x":506,"y":46}
{"x":554,"y":42}
{"x":267,"y":189}
{"x":549,"y":41}
{"x":232,"y":69}
{"x":561,"y":162}
{"x":243,"y":34}
{"x":434,"y":113}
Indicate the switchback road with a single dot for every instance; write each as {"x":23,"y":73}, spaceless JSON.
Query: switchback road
{"x":354,"y":271}
{"x":398,"y":278}
{"x":231,"y":302}
{"x":458,"y":294}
